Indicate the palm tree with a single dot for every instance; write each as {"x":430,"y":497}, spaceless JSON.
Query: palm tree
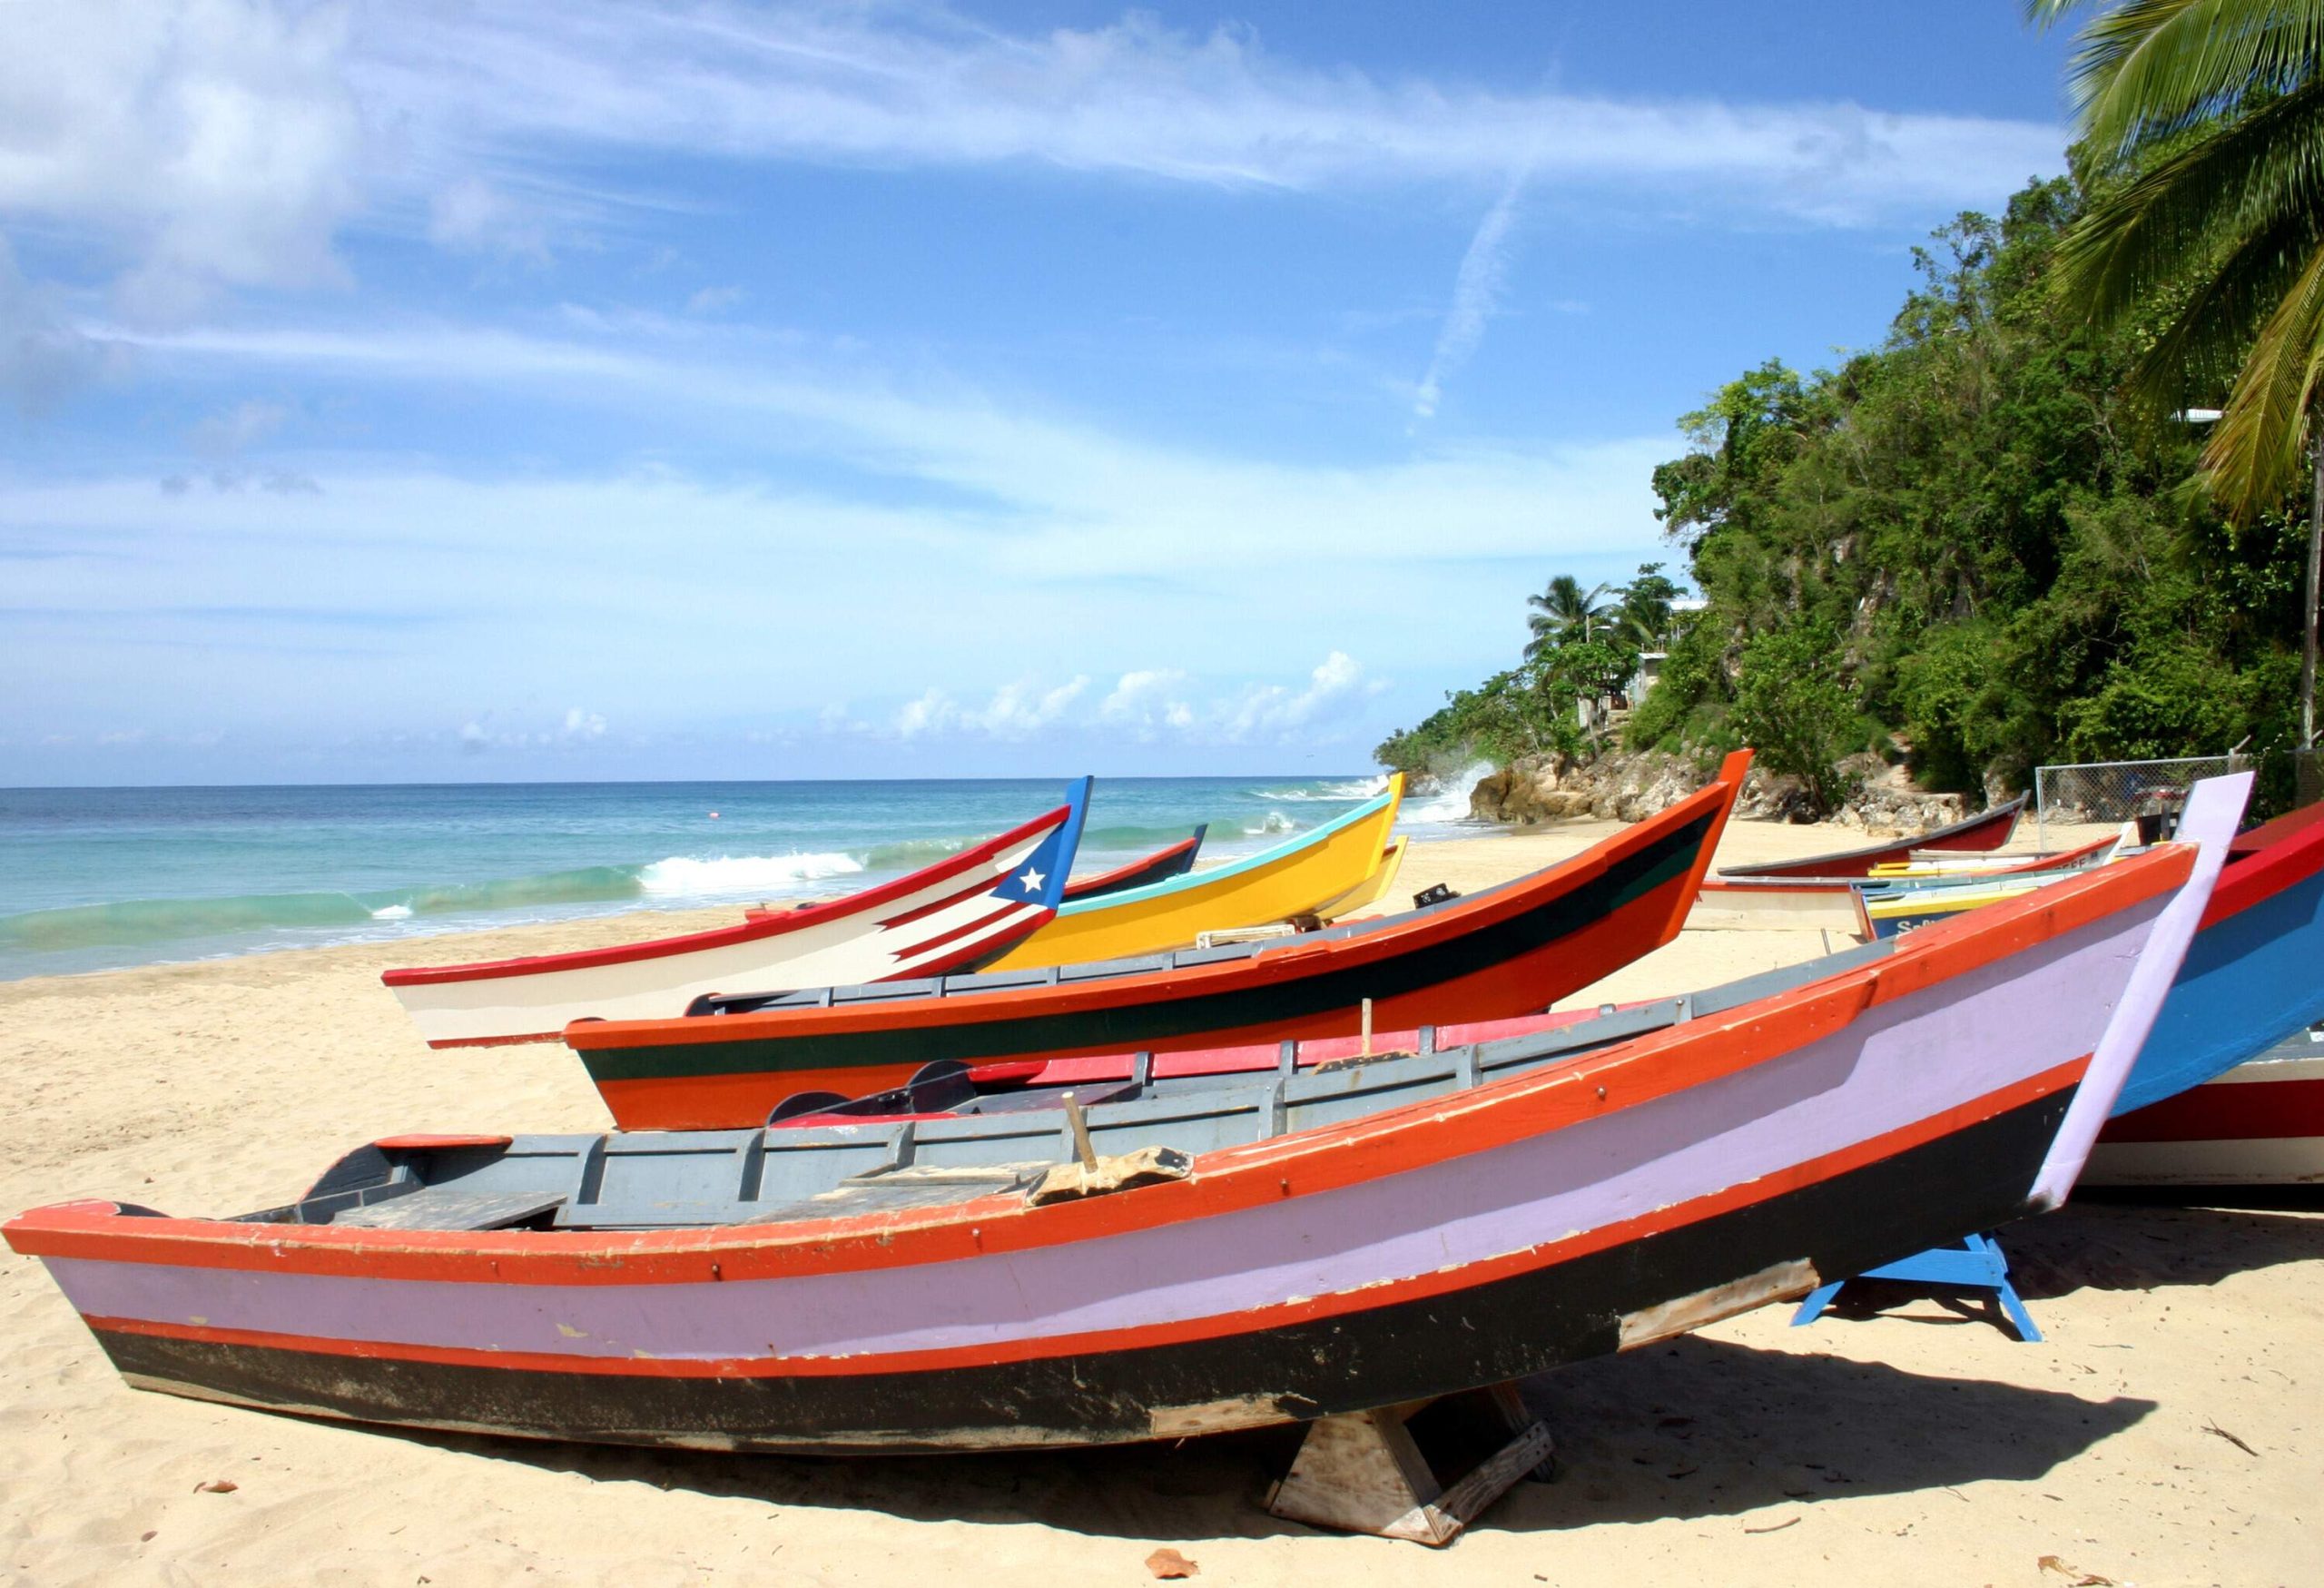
{"x":2203,"y":125}
{"x":1645,"y":611}
{"x":1562,"y":610}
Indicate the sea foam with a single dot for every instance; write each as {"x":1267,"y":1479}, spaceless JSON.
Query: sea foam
{"x":1451,"y":804}
{"x":1363,"y":788}
{"x":740,"y":877}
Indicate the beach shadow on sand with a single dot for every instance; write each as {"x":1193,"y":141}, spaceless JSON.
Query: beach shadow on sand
{"x":1691,"y":1427}
{"x":2136,"y":1240}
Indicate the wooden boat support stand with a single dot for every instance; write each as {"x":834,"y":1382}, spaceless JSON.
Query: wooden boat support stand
{"x":1370,"y":1472}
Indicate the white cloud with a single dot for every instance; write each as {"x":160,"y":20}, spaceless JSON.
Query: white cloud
{"x":1275,"y":712}
{"x":1146,"y":704}
{"x":215,"y":141}
{"x":714,"y":299}
{"x":1148,"y":701}
{"x":932,"y":713}
{"x":235,"y":432}
{"x":1019,"y":710}
{"x":472,"y":215}
{"x":819,"y":83}
{"x":584,"y":725}
{"x":1476,"y":292}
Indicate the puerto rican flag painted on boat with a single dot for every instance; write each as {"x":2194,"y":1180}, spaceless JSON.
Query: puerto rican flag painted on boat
{"x":953,"y":915}
{"x":960,"y":932}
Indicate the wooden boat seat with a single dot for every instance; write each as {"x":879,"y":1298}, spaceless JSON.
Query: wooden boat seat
{"x":445,"y":1208}
{"x":896,"y":1190}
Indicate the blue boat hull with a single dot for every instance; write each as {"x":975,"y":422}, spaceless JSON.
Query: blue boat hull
{"x":2249,"y":981}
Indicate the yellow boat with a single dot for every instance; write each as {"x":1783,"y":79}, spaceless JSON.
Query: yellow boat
{"x":1297,"y":878}
{"x":1372,"y":889}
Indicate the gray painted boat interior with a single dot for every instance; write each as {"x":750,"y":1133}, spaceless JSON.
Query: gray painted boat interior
{"x":826,"y":1164}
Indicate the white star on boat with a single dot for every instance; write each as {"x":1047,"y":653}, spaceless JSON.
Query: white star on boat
{"x":1031,"y":882}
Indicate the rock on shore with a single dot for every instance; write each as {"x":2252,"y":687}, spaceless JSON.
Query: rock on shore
{"x":1632,"y":787}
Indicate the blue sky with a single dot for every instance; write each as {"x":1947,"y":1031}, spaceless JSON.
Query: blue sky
{"x":429,"y":391}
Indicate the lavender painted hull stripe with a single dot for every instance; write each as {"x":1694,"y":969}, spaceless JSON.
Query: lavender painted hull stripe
{"x":2213,"y":810}
{"x":1898,"y":1065}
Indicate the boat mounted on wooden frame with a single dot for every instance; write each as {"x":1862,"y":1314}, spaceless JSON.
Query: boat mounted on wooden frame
{"x":1511,"y":949}
{"x":1988,"y":830}
{"x":1197,"y":1258}
{"x":959,"y":911}
{"x":1299,"y":876}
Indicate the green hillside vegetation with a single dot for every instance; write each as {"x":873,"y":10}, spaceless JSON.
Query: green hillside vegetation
{"x":1964,"y":549}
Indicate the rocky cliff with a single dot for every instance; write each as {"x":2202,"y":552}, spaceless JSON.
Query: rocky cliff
{"x":1630,"y":788}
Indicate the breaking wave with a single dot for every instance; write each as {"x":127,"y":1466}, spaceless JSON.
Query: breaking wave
{"x":336,"y":916}
{"x":735,"y":876}
{"x":1450,"y":803}
{"x":1361,"y":788}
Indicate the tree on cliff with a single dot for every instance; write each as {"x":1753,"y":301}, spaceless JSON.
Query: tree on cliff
{"x":1562,"y":612}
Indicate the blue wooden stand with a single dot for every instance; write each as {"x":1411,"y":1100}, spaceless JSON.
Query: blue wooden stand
{"x":1977,"y":1264}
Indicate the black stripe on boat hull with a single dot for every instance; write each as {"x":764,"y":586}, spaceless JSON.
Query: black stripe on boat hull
{"x":1165,"y":1019}
{"x":1973,"y":1180}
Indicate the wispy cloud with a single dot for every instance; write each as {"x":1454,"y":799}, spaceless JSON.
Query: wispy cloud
{"x":223,"y":144}
{"x":1042,"y":497}
{"x":1476,"y":291}
{"x":926,"y":85}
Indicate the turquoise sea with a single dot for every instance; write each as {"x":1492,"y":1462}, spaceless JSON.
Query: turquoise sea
{"x":98,"y":878}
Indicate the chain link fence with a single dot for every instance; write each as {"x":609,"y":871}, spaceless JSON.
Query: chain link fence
{"x":2150,"y":792}
{"x":2289,"y":779}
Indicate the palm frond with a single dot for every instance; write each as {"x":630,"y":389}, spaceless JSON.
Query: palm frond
{"x":2196,"y":357}
{"x":2151,"y":69}
{"x":2195,"y":205}
{"x":2257,"y":451}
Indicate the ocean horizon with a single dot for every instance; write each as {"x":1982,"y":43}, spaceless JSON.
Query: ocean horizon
{"x":109,"y":878}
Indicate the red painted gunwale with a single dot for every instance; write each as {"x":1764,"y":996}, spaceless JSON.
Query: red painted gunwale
{"x":1623,"y":1076}
{"x":1247,"y":1320}
{"x":2264,"y":862}
{"x":1287,"y":962}
{"x":773,"y":924}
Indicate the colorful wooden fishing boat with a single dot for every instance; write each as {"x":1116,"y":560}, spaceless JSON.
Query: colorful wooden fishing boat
{"x":1180,"y":1261}
{"x":1893,"y":912}
{"x":2259,"y":1124}
{"x":1170,"y":860}
{"x":1780,"y":904}
{"x":1837,"y":903}
{"x":1988,"y":830}
{"x":961,"y":911}
{"x":1373,"y":888}
{"x":1505,"y":951}
{"x":1294,"y":878}
{"x":1174,"y":860}
{"x":1945,"y":868}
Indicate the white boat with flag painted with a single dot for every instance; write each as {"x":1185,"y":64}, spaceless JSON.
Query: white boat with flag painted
{"x":954,"y":915}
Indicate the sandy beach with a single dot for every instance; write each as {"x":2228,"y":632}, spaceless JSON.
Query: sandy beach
{"x":2167,"y":1431}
